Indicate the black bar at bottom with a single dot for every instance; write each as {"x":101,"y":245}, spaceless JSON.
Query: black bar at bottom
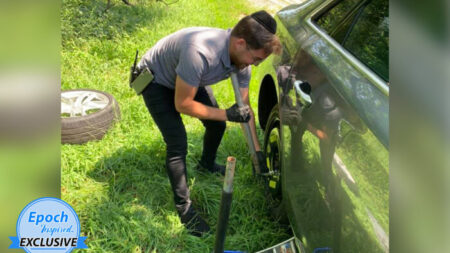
{"x":224,"y":214}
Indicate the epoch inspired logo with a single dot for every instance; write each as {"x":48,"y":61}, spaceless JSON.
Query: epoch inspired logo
{"x":48,"y":224}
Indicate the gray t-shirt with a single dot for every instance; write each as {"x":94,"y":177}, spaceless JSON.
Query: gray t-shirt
{"x":199,"y":55}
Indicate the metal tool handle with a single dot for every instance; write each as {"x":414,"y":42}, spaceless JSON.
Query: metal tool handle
{"x":247,"y":130}
{"x":225,"y":205}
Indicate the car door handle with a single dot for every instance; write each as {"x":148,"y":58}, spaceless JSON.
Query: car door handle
{"x":303,"y":89}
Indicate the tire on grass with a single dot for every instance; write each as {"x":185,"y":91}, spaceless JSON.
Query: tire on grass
{"x":78,"y":128}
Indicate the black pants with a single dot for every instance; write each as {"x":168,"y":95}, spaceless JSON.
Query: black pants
{"x":160,"y":102}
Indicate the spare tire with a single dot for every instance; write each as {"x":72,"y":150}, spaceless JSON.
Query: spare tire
{"x":86,"y":115}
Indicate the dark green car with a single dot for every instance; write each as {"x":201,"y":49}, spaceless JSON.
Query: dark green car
{"x":324,"y":107}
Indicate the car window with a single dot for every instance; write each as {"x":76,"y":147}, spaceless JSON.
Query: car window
{"x":334,"y":15}
{"x":362,"y":27}
{"x":368,"y":39}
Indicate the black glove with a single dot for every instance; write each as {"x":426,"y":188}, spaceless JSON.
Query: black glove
{"x":262,"y":161}
{"x":236,"y":114}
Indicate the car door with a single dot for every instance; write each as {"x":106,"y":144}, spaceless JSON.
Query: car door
{"x":334,"y":119}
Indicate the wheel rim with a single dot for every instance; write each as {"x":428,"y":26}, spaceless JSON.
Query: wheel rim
{"x":273,"y":162}
{"x":82,"y":103}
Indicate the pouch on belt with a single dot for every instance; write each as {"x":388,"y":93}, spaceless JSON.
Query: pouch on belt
{"x":139,"y":79}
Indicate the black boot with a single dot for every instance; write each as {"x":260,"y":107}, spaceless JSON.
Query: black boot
{"x":195,"y":224}
{"x":215,"y":168}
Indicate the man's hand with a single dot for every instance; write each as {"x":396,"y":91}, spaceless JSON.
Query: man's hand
{"x":262,"y":161}
{"x":238,"y":114}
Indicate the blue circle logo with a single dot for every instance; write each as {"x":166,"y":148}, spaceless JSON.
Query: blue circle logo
{"x":48,"y":224}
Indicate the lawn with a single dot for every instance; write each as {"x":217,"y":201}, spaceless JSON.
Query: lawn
{"x":118,"y":185}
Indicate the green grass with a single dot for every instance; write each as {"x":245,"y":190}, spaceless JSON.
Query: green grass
{"x":118,"y":185}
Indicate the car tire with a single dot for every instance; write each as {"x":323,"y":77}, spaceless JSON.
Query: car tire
{"x":86,"y":115}
{"x":272,"y":149}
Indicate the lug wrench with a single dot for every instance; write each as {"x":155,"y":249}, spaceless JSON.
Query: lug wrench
{"x":246,"y":126}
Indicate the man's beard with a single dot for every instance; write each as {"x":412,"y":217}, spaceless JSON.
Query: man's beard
{"x":241,"y":66}
{"x":234,"y":61}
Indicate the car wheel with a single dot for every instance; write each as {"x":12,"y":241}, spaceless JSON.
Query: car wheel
{"x":86,"y":115}
{"x":272,"y":150}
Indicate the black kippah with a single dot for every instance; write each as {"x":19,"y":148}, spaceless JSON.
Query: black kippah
{"x":264,"y":19}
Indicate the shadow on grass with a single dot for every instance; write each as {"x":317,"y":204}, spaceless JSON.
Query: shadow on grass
{"x":139,"y":210}
{"x":138,"y":174}
{"x":128,"y":170}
